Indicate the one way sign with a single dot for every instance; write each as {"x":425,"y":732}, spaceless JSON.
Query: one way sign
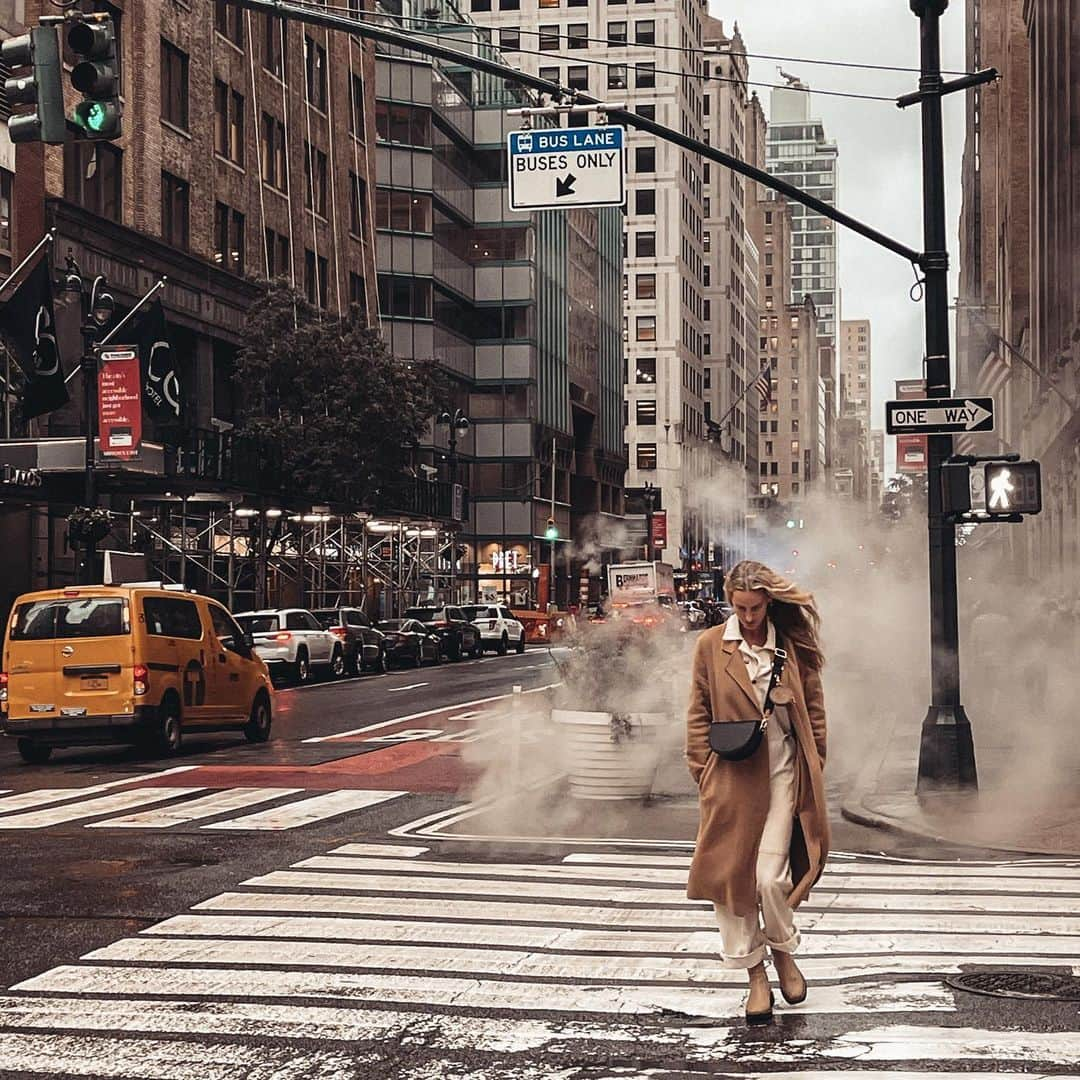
{"x":939,"y":416}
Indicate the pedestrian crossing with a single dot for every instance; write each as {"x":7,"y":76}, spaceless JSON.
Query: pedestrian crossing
{"x":158,"y":807}
{"x":389,"y":960}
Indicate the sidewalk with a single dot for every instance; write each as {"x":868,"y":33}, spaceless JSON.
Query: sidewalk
{"x":1028,"y":799}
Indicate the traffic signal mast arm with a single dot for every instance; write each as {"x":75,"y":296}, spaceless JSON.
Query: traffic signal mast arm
{"x":404,"y":40}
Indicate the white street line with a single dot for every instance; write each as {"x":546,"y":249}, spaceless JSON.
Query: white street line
{"x":87,"y":808}
{"x":920,"y":921}
{"x":220,"y":802}
{"x":398,"y":689}
{"x":396,"y":851}
{"x":306,"y":811}
{"x":420,"y":715}
{"x":220,"y":952}
{"x":25,"y":800}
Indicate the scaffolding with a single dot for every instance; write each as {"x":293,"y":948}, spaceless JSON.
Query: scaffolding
{"x":251,"y":558}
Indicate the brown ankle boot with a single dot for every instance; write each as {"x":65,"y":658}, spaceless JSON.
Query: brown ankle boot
{"x":792,"y":983}
{"x":759,"y":1004}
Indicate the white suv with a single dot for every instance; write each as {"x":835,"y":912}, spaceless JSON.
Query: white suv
{"x":498,"y":627}
{"x":293,"y":640}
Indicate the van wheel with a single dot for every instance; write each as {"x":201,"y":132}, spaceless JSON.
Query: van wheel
{"x":521,"y":643}
{"x":168,"y":735}
{"x":257,"y":729}
{"x":301,"y":670}
{"x":478,"y":648}
{"x":34,"y":753}
{"x":337,"y":664}
{"x":504,"y":645}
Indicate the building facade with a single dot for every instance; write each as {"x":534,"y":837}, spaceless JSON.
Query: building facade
{"x":648,"y":56}
{"x":851,"y":470}
{"x":524,"y":310}
{"x":799,"y":152}
{"x":877,"y":467}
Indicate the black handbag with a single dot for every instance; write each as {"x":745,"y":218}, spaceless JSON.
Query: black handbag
{"x":736,"y":740}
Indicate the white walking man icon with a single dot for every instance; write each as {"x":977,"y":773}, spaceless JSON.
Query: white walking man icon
{"x":1001,"y":487}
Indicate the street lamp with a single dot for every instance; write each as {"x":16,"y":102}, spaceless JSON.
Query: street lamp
{"x":652,"y":497}
{"x":458,"y":423}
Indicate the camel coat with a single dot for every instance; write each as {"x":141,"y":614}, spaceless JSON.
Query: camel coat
{"x":734,"y":795}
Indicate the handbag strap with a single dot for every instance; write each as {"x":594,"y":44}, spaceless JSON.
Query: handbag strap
{"x":779,"y":660}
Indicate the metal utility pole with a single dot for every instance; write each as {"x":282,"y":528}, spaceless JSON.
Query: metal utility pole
{"x":946,"y":749}
{"x":552,"y":602}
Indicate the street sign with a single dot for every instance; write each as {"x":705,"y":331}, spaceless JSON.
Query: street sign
{"x":1013,"y":487}
{"x":939,"y":416}
{"x":555,"y":168}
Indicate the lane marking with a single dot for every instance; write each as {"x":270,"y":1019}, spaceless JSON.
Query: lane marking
{"x":87,"y":808}
{"x":25,"y":800}
{"x":411,"y":686}
{"x":306,"y":811}
{"x":397,"y":851}
{"x":219,"y":802}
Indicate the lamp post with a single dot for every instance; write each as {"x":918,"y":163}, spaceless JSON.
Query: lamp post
{"x":457,"y":424}
{"x":651,"y":498}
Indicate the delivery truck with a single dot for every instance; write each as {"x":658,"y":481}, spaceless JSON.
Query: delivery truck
{"x":640,"y":583}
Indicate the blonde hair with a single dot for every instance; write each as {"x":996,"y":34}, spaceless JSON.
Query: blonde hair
{"x":791,"y":610}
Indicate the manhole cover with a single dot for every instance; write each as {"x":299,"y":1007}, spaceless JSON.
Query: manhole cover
{"x":1018,"y":984}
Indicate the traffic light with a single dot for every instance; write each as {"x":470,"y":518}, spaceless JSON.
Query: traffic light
{"x":552,"y":530}
{"x":96,"y":75}
{"x":41,"y":86}
{"x":1013,"y":487}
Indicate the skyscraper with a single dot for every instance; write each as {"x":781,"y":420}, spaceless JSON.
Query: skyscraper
{"x":798,"y":151}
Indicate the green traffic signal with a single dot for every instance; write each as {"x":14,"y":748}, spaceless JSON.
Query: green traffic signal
{"x":96,"y":75}
{"x":99,"y":119}
{"x":552,"y":530}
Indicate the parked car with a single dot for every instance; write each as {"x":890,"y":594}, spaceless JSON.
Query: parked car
{"x":143,"y":664}
{"x":498,"y":627}
{"x":457,"y":635}
{"x":364,"y":645}
{"x":292,"y":641}
{"x":409,"y":643}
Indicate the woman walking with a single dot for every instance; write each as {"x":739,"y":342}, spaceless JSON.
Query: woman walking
{"x":763,"y":835}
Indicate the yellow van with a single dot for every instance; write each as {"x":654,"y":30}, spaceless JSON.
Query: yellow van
{"x":137,"y":664}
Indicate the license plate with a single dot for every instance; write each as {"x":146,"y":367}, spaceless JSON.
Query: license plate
{"x":42,"y":708}
{"x":95,"y":682}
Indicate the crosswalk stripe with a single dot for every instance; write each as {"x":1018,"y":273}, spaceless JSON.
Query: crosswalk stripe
{"x":220,"y":802}
{"x":394,"y":851}
{"x":523,"y":887}
{"x":121,"y":982}
{"x":655,"y":943}
{"x":519,"y":963}
{"x":307,"y":811}
{"x":26,"y":800}
{"x":88,"y":808}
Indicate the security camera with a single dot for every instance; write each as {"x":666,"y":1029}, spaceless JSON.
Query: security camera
{"x":429,"y":471}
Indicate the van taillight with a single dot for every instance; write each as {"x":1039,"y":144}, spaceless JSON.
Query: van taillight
{"x":141,"y":679}
{"x":3,"y":688}
{"x":339,"y":632}
{"x":283,"y":637}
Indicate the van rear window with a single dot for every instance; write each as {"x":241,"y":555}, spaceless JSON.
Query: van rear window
{"x":46,"y":620}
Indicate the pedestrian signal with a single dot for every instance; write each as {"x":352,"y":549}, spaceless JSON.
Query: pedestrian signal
{"x":1013,"y":487}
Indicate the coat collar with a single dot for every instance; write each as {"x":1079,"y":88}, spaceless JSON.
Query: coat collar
{"x":736,"y":668}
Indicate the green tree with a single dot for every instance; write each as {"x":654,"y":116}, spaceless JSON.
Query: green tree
{"x":904,"y":496}
{"x":344,"y":412}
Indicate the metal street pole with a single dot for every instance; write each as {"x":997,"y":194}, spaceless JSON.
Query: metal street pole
{"x":551,"y":540}
{"x":946,"y":750}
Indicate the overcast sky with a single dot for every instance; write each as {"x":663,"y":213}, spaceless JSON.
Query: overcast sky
{"x":879,"y":150}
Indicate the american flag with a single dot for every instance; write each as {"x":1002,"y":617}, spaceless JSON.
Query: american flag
{"x":763,"y":385}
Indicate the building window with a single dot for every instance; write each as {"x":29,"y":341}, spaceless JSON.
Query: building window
{"x":356,"y":106}
{"x":644,"y":76}
{"x":552,"y":74}
{"x":794,"y":446}
{"x":577,"y":36}
{"x":549,"y":37}
{"x":794,"y":468}
{"x":93,"y":178}
{"x":645,"y":412}
{"x":278,"y":263}
{"x":645,"y":245}
{"x":404,"y":297}
{"x":274,"y":160}
{"x":645,"y":159}
{"x":402,"y":211}
{"x":645,"y":32}
{"x":174,"y":85}
{"x":314,"y":179}
{"x":510,"y":39}
{"x":645,"y":370}
{"x":316,"y":270}
{"x":577,"y":77}
{"x":648,"y":111}
{"x":646,"y":328}
{"x":228,"y":123}
{"x":616,"y":32}
{"x":408,"y":124}
{"x":275,"y":43}
{"x":481,"y":5}
{"x":706,"y":348}
{"x":229,"y":22}
{"x":357,"y":291}
{"x":548,"y":3}
{"x":221,"y":116}
{"x":175,"y":210}
{"x":645,"y":201}
{"x":7,"y":181}
{"x":315,"y":71}
{"x":228,"y":238}
{"x":577,"y":3}
{"x":646,"y":455}
{"x":509,"y":5}
{"x":794,"y":487}
{"x":616,"y":77}
{"x":645,"y":286}
{"x":357,"y":205}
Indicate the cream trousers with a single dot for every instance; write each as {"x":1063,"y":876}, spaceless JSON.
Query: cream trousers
{"x":744,"y":937}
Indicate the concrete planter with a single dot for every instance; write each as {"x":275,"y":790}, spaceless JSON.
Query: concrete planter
{"x":600,"y":766}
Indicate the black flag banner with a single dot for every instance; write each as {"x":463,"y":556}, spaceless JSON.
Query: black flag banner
{"x":160,"y":374}
{"x":28,"y":321}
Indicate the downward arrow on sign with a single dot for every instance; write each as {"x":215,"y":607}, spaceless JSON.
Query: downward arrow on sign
{"x":565,"y":187}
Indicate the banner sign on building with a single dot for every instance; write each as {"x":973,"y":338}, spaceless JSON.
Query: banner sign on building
{"x":659,"y":529}
{"x":119,"y":401}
